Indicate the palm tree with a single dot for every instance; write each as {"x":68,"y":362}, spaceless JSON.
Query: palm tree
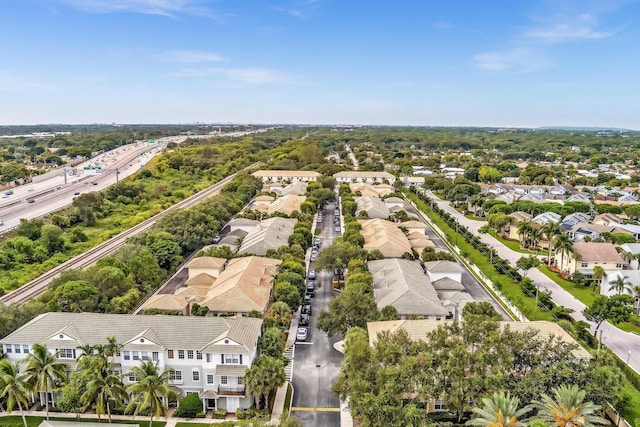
{"x":563,"y":245}
{"x":13,"y":387}
{"x":550,"y":230}
{"x":636,"y":291}
{"x":111,"y":348}
{"x":105,"y":386}
{"x":44,"y":372}
{"x":535,"y":235}
{"x":598,"y":274}
{"x":568,"y":408}
{"x":265,"y":376}
{"x":523,"y":230}
{"x":281,"y":312}
{"x":499,"y":410}
{"x":150,"y":390}
{"x":621,"y":285}
{"x":254,"y":381}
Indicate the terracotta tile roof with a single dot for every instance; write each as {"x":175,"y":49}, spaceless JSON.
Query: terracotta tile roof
{"x":591,"y":251}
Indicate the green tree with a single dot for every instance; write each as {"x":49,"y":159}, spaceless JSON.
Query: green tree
{"x":30,"y":228}
{"x":354,"y":306}
{"x":527,"y":263}
{"x":272,"y":342}
{"x":190,"y":406}
{"x":105,"y":388}
{"x":281,"y":312}
{"x":620,"y":285}
{"x":568,"y":409}
{"x":14,"y":387}
{"x":151,"y":390}
{"x":616,"y":309}
{"x":285,"y":291}
{"x":499,"y":410}
{"x":563,"y":245}
{"x":51,"y":238}
{"x":75,"y":297}
{"x":44,"y":372}
{"x":264,"y":377}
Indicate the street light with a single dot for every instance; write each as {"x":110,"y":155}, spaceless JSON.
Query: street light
{"x":628,"y":357}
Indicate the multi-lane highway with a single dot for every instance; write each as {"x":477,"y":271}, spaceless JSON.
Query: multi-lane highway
{"x":37,"y":286}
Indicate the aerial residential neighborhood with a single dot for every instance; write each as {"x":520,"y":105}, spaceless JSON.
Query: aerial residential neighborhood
{"x":319,"y":213}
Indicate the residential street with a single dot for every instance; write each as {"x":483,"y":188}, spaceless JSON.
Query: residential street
{"x":316,"y":363}
{"x":625,"y":345}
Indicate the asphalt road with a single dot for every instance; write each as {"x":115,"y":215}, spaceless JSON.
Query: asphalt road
{"x":471,"y":285}
{"x":316,"y":363}
{"x":624,"y":344}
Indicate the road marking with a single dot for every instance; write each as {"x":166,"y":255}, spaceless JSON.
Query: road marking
{"x":304,"y":342}
{"x":297,"y":408}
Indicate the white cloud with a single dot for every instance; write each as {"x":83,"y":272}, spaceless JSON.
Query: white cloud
{"x":189,"y":56}
{"x":559,"y":33}
{"x":519,"y":60}
{"x":152,"y":7}
{"x":247,"y":76}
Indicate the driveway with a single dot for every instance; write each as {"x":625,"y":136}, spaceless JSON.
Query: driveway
{"x":624,"y":344}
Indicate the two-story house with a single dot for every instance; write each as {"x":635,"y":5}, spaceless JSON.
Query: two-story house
{"x":208,"y":356}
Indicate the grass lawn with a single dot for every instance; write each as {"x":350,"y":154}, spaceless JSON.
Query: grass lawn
{"x":584,"y":294}
{"x":508,"y":287}
{"x":631,"y":411}
{"x":473,"y":217}
{"x":16,"y":421}
{"x":287,"y":399}
{"x":515,"y":246}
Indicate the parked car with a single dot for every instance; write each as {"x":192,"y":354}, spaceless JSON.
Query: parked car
{"x":307,"y":299}
{"x":301,"y":335}
{"x":306,"y":309}
{"x":304,"y":319}
{"x":312,"y":275}
{"x":317,"y":242}
{"x":311,"y":288}
{"x":216,"y":240}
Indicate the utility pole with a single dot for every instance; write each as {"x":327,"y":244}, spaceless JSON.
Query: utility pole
{"x":117,"y":175}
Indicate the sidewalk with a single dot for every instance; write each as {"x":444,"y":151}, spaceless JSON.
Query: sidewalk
{"x":170,"y":422}
{"x":624,"y":344}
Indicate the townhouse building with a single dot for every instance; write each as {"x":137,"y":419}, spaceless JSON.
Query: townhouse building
{"x":208,"y":356}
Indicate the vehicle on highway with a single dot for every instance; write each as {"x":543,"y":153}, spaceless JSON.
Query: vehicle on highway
{"x":306,"y":309}
{"x":304,"y":319}
{"x":312,"y":275}
{"x":1,"y":223}
{"x":76,"y":193}
{"x":31,"y":201}
{"x":95,"y":183}
{"x":8,"y":192}
{"x":301,"y":335}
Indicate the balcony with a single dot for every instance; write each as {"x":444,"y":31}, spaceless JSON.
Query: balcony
{"x":231,"y":390}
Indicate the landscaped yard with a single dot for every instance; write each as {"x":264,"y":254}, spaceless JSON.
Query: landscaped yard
{"x":16,"y":421}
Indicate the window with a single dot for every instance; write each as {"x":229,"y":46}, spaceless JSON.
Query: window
{"x":189,"y":393}
{"x":9,"y":348}
{"x":132,"y":377}
{"x":136,"y":355}
{"x":209,"y":378}
{"x":155,"y":356}
{"x":189,"y":354}
{"x":618,"y":265}
{"x":439,"y":404}
{"x":198,"y":355}
{"x":232,"y":358}
{"x":144,"y":355}
{"x":585,"y":264}
{"x":239,"y":380}
{"x":180,"y":354}
{"x":224,"y":379}
{"x":127,"y":355}
{"x":196,"y":375}
{"x":66,"y":353}
{"x":175,"y":375}
{"x":208,"y":357}
{"x":25,"y":349}
{"x":169,"y":354}
{"x":16,"y":347}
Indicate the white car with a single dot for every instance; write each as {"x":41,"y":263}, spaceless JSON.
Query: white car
{"x":302,"y":334}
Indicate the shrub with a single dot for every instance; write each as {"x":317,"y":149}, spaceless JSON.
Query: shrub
{"x":218,"y":414}
{"x":190,"y":406}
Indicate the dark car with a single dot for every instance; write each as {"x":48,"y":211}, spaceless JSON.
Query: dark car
{"x":306,"y":309}
{"x":76,"y":193}
{"x":31,"y":201}
{"x":304,"y":319}
{"x":311,"y":289}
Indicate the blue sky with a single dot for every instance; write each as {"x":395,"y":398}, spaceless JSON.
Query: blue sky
{"x":403,"y":62}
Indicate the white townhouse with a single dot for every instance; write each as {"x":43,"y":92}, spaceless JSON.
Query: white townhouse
{"x":208,"y":355}
{"x":369,"y":177}
{"x":286,"y":175}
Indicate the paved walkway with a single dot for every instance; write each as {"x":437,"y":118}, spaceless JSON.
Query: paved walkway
{"x":170,"y":422}
{"x":624,"y":344}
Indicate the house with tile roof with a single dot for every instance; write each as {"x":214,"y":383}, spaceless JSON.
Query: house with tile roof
{"x":371,"y":190}
{"x":385,"y":236}
{"x":286,"y":204}
{"x":587,"y":255}
{"x":208,"y":355}
{"x":403,"y":284}
{"x":268,"y":234}
{"x":373,"y":206}
{"x":437,"y":270}
{"x":370,"y":177}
